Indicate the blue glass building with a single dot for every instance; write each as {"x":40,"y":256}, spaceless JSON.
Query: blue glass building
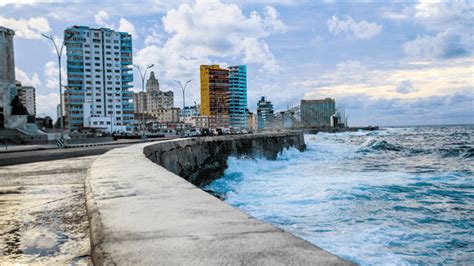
{"x":238,"y":96}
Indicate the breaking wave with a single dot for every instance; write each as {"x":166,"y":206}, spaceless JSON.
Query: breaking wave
{"x":398,"y":196}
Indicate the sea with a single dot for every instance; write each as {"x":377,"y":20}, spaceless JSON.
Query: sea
{"x":396,"y":196}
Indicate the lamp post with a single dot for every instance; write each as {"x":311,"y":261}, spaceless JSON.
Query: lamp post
{"x":183,"y":89}
{"x":143,"y":75}
{"x":59,"y":54}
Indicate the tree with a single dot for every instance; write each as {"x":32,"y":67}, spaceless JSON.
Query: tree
{"x":17,"y":107}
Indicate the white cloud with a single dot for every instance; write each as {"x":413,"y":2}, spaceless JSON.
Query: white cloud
{"x":46,"y":105}
{"x":127,"y":26}
{"x":361,"y":30}
{"x":196,"y":39}
{"x":452,"y":22}
{"x":51,"y":75}
{"x":405,"y":87}
{"x":102,"y":19}
{"x":26,"y":80}
{"x":27,"y":29}
{"x":19,"y":3}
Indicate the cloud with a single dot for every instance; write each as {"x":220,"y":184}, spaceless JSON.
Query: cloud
{"x":196,"y":39}
{"x":444,"y":45}
{"x":18,"y":3}
{"x":361,"y":30}
{"x":127,"y":26}
{"x":452,"y":22}
{"x":51,"y":75}
{"x":102,"y":19}
{"x":27,"y":29}
{"x":46,"y":105}
{"x":405,"y":87}
{"x":26,"y":80}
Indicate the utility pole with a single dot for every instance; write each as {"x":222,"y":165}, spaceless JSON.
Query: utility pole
{"x":59,"y":54}
{"x":143,"y":75}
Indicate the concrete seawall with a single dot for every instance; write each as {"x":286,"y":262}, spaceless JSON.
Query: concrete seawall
{"x":142,"y":213}
{"x":201,"y":160}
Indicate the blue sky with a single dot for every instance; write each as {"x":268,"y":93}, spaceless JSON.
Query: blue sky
{"x":386,"y":63}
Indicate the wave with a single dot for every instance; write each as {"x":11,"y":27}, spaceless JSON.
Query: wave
{"x":378,"y":145}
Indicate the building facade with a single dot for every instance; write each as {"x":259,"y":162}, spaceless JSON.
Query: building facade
{"x":27,"y":95}
{"x":99,"y":75}
{"x":238,"y":96}
{"x":215,"y":95}
{"x":317,"y":113}
{"x":7,"y":75}
{"x":165,"y":115}
{"x":264,"y":114}
{"x":153,"y":98}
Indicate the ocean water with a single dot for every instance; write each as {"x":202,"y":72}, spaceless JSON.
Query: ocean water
{"x":398,"y":196}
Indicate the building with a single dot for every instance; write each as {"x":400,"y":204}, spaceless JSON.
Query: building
{"x":215,"y":95}
{"x":189,"y":111}
{"x":27,"y":97}
{"x":317,"y":113}
{"x":153,"y":98}
{"x":251,"y":120}
{"x":197,"y":121}
{"x":7,"y":76}
{"x":238,"y":96}
{"x":165,"y":115}
{"x":99,"y":76}
{"x":264,"y":114}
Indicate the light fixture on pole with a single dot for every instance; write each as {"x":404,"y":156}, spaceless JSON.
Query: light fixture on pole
{"x":143,"y":76}
{"x":59,"y":54}
{"x":183,"y":89}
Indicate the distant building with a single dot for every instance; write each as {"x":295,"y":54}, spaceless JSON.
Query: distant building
{"x":317,"y":113}
{"x":99,"y":76}
{"x":215,"y":95}
{"x":197,"y":121}
{"x":238,"y":96}
{"x":153,"y":98}
{"x":189,"y":111}
{"x":7,"y":76}
{"x":168,"y":115}
{"x":27,"y":97}
{"x":264,"y":114}
{"x":251,"y":120}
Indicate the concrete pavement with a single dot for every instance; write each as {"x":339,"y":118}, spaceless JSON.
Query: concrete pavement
{"x":42,"y":213}
{"x":140,"y":213}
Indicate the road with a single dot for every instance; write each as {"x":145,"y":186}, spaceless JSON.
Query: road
{"x":13,"y":158}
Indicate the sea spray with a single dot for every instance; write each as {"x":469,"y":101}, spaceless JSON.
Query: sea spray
{"x":396,"y":196}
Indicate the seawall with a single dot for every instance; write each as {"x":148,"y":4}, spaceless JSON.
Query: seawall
{"x":141,"y":213}
{"x":201,"y":160}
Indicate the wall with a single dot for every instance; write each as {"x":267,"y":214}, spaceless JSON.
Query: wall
{"x":201,"y":160}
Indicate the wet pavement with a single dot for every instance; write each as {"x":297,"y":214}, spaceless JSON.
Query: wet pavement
{"x":42,"y":213}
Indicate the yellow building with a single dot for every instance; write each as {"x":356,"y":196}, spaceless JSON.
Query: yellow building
{"x":215,"y":95}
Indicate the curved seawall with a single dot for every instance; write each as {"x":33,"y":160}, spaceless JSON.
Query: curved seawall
{"x":142,"y":213}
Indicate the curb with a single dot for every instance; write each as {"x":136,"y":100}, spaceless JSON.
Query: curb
{"x":96,"y":236}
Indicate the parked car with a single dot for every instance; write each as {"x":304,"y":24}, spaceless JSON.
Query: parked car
{"x":206,"y":132}
{"x":244,"y":131}
{"x":226,"y":131}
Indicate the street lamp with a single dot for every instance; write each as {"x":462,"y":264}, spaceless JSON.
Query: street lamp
{"x":143,"y":75}
{"x":59,"y":54}
{"x":184,"y":91}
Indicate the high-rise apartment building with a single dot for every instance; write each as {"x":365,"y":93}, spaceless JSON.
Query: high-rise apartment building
{"x":215,"y":95}
{"x":264,"y":114}
{"x":317,"y":113}
{"x":99,"y":78}
{"x":224,"y":95}
{"x":238,"y":96}
{"x":27,"y":97}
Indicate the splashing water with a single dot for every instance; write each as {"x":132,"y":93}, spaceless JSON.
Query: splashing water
{"x":391,"y":197}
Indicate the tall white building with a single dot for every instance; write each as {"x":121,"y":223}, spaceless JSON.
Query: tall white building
{"x":99,"y":78}
{"x":27,"y":97}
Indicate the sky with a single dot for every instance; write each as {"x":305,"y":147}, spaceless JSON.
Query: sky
{"x":385,"y":62}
